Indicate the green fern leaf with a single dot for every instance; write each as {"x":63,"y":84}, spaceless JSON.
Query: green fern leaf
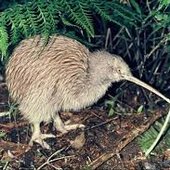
{"x":84,"y":15}
{"x":54,"y":16}
{"x":3,"y":41}
{"x":30,"y":13}
{"x":115,"y":12}
{"x":99,"y":8}
{"x":147,"y":139}
{"x":76,"y":12}
{"x":125,"y":12}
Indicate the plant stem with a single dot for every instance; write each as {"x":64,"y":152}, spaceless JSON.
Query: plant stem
{"x":163,"y":129}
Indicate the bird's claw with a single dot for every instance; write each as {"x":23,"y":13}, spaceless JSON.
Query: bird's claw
{"x":40,"y":140}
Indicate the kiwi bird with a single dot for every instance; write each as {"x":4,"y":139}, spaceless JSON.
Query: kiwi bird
{"x":62,"y":75}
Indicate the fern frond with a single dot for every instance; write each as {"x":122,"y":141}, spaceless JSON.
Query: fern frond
{"x":3,"y":41}
{"x":146,"y":139}
{"x":54,"y":16}
{"x":45,"y":18}
{"x":13,"y":30}
{"x":85,"y":19}
{"x":77,"y":13}
{"x":31,"y":18}
{"x":115,"y":12}
{"x":125,"y":12}
{"x":99,"y":8}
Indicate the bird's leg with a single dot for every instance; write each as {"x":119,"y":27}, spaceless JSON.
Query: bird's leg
{"x":64,"y":128}
{"x":59,"y":125}
{"x":38,"y":137}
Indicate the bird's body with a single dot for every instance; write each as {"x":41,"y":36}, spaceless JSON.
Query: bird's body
{"x":61,"y":76}
{"x":44,"y":80}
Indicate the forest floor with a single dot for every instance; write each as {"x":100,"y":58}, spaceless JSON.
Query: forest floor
{"x":107,"y":143}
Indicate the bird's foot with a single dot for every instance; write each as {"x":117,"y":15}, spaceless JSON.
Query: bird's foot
{"x":39,"y":138}
{"x":66,"y":128}
{"x":74,"y":126}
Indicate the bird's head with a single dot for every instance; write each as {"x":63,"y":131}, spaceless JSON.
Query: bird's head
{"x":109,"y":67}
{"x":112,"y":68}
{"x":119,"y":70}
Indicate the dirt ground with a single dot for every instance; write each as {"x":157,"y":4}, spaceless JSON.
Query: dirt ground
{"x":105,"y":144}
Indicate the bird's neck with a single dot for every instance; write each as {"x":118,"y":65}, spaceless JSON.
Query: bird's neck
{"x":96,"y":85}
{"x":96,"y":75}
{"x":92,"y":88}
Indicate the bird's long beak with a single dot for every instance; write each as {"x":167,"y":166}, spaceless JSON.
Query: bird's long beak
{"x":146,"y":86}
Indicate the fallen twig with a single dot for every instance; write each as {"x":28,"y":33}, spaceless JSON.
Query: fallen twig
{"x":9,"y":126}
{"x":100,"y":124}
{"x":50,"y":160}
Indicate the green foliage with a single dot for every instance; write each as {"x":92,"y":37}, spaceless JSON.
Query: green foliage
{"x":2,"y":134}
{"x":3,"y":40}
{"x":111,"y":104}
{"x":77,"y":13}
{"x":146,"y":140}
{"x":44,"y":17}
{"x":147,"y":46}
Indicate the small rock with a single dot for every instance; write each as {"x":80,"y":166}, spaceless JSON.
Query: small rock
{"x":79,"y":141}
{"x":149,"y":166}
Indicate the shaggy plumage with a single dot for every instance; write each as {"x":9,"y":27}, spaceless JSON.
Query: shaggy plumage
{"x":60,"y":76}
